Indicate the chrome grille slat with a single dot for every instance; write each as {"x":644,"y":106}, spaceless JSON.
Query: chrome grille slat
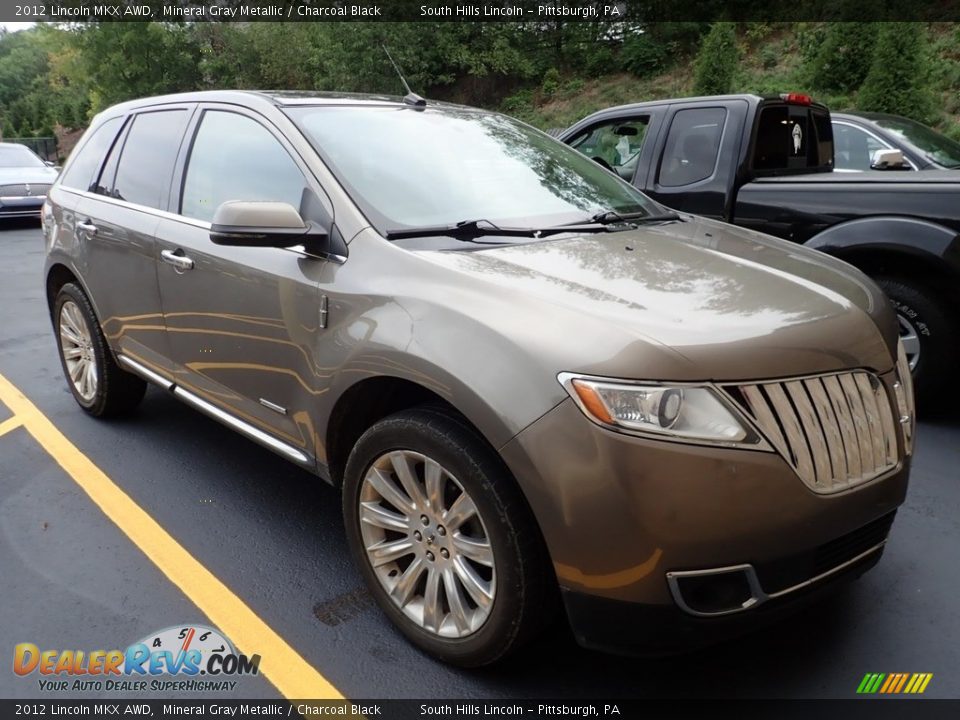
{"x":791,"y":426}
{"x":847,"y":432}
{"x":831,"y":429}
{"x":811,"y":426}
{"x":761,"y":410}
{"x":20,"y":189}
{"x":835,"y":430}
{"x":864,"y":441}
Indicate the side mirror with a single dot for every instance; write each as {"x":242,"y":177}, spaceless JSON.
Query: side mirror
{"x":254,"y":223}
{"x":889,"y":159}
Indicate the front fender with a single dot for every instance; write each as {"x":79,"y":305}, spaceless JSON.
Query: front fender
{"x":922,"y":239}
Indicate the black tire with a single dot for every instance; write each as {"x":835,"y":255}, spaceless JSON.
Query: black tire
{"x":526,"y":587}
{"x":117,"y":391}
{"x":937,"y":332}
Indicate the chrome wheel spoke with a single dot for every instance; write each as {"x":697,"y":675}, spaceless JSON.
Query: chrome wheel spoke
{"x":375,"y":514}
{"x":477,"y":550}
{"x":73,"y":353}
{"x":455,"y":601}
{"x":910,"y":340}
{"x":432,"y":612}
{"x":479,"y":589}
{"x":462,"y":510}
{"x":76,"y":370}
{"x":403,"y":591}
{"x":69,"y":335}
{"x":405,"y":474}
{"x":433,"y":482}
{"x":388,"y":552}
{"x":388,"y":491}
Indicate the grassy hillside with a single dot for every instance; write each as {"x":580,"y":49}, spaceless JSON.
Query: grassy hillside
{"x":773,"y":60}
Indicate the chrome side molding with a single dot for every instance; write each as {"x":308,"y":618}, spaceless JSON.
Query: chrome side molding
{"x":231,"y":421}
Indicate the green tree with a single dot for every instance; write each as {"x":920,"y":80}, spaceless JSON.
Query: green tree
{"x":842,"y":61}
{"x":717,"y":61}
{"x":899,"y":77}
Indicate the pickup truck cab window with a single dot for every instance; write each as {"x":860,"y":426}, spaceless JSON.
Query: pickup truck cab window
{"x":615,"y":144}
{"x":236,"y":158}
{"x":79,"y":174}
{"x":693,"y":146}
{"x":146,"y":161}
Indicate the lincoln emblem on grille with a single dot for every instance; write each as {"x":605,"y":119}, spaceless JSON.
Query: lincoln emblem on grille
{"x":26,"y":189}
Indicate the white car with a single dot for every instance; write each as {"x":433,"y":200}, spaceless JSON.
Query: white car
{"x":24,"y":181}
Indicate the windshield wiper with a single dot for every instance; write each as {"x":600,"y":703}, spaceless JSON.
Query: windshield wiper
{"x":609,"y":217}
{"x":468,"y":230}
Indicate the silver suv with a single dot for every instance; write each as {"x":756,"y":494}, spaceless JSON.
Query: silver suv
{"x":536,"y":387}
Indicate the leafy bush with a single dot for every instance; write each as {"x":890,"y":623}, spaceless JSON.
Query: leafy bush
{"x":551,"y":83}
{"x":717,"y":61}
{"x":899,"y":77}
{"x":643,"y":55}
{"x":844,"y":59}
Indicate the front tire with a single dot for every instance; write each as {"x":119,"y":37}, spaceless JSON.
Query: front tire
{"x":98,"y":384}
{"x":929,"y":337}
{"x":444,"y":538}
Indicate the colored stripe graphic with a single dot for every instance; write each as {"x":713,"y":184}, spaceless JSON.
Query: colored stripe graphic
{"x":894,"y":683}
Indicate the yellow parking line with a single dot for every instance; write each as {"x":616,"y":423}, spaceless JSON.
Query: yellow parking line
{"x":293,"y":676}
{"x":10,"y":424}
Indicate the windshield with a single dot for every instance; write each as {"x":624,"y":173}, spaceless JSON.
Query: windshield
{"x":14,"y":156}
{"x":939,"y":148}
{"x":410,"y":168}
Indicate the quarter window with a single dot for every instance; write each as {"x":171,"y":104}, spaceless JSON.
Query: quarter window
{"x":79,"y":174}
{"x":693,"y":146}
{"x":237,"y":158}
{"x":149,"y":153}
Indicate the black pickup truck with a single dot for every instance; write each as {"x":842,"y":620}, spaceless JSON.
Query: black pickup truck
{"x":766,"y":163}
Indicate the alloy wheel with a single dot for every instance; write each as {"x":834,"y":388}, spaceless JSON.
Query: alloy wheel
{"x":76,"y":345}
{"x":427,"y":544}
{"x":911,"y":341}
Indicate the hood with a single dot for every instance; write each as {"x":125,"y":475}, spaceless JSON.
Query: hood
{"x":725,"y":303}
{"x":35,"y":175}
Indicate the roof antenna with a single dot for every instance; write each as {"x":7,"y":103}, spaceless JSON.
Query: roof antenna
{"x":411,"y":98}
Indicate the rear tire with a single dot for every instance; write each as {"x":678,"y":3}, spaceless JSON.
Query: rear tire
{"x":467,"y":586}
{"x":928,"y":334}
{"x":98,"y":384}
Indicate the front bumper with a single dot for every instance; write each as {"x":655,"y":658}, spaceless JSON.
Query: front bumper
{"x":28,"y":206}
{"x":619,"y":513}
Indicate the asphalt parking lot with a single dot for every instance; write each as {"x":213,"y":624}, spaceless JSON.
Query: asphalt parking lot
{"x":231,"y":512}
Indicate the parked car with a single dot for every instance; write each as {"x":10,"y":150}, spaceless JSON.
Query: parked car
{"x":524,"y":375}
{"x":24,"y":181}
{"x":859,"y":136}
{"x":766,"y":163}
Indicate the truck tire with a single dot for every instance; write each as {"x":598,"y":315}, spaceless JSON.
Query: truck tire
{"x":444,"y":538}
{"x":929,"y":336}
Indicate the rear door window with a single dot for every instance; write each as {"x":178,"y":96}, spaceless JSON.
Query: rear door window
{"x":236,"y":158}
{"x":80,"y":174}
{"x":692,"y":147}
{"x":149,"y":153}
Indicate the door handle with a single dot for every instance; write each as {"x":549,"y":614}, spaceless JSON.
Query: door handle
{"x":88,"y":227}
{"x":180,"y":262}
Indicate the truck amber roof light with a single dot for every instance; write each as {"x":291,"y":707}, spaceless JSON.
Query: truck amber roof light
{"x":796,"y":98}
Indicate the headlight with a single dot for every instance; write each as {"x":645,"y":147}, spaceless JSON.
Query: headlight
{"x":903,"y":389}
{"x":672,"y":412}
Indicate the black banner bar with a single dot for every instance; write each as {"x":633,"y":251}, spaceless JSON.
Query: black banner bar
{"x":853,"y":709}
{"x":524,"y":11}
